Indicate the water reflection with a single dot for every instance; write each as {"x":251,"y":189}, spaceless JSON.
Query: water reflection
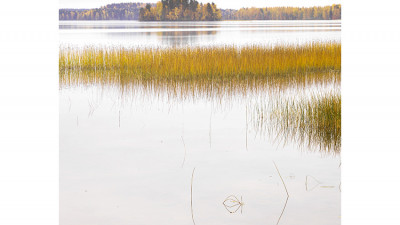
{"x":147,"y":34}
{"x":196,"y":24}
{"x":200,"y":88}
{"x":304,"y":110}
{"x":183,"y":38}
{"x":129,"y":159}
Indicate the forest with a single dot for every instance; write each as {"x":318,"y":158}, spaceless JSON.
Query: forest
{"x":180,"y":10}
{"x":117,"y":11}
{"x":332,"y":12}
{"x":192,"y":10}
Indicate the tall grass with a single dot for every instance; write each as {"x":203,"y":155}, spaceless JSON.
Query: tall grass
{"x":222,"y":72}
{"x":213,"y":63}
{"x":313,"y":121}
{"x":212,"y":71}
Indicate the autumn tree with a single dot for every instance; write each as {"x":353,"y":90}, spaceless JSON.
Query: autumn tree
{"x":189,"y":10}
{"x":180,"y":10}
{"x":284,"y":13}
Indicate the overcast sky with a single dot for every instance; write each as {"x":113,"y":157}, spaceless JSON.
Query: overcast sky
{"x":232,"y":4}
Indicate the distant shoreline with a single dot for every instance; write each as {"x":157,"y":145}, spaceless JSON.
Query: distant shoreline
{"x":190,"y":21}
{"x":197,"y":12}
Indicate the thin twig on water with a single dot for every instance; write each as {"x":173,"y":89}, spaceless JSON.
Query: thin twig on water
{"x":70,"y":104}
{"x":183,"y":121}
{"x":318,"y":183}
{"x":287,"y":193}
{"x":191,"y":196}
{"x":247,"y":126}
{"x":233,"y":202}
{"x":184,"y":146}
{"x":209,"y":132}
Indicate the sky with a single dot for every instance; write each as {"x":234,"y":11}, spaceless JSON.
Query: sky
{"x":231,"y":4}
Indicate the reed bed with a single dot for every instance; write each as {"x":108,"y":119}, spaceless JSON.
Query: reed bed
{"x":219,"y":73}
{"x":313,"y":122}
{"x":226,"y":63}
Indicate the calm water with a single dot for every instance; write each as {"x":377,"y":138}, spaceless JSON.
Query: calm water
{"x":128,"y":157}
{"x":166,"y":34}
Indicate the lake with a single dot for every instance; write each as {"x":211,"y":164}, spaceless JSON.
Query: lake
{"x":185,"y":155}
{"x":181,"y":34}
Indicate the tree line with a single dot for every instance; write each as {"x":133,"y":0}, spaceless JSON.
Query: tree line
{"x":192,"y":10}
{"x":332,"y":12}
{"x":118,"y":11}
{"x":180,"y":10}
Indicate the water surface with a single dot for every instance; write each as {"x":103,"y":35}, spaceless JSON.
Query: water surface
{"x":167,"y":34}
{"x":127,"y":155}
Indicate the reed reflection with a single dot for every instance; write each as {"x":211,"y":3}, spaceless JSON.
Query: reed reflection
{"x":199,"y":87}
{"x":291,"y":110}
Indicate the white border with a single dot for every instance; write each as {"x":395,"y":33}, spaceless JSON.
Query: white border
{"x":29,"y":112}
{"x":371,"y":112}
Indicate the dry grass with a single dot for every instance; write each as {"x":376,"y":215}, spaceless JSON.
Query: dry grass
{"x":222,"y":72}
{"x":213,"y":71}
{"x":289,"y":62}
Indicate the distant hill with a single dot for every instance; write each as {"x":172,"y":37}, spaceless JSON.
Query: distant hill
{"x":131,"y":11}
